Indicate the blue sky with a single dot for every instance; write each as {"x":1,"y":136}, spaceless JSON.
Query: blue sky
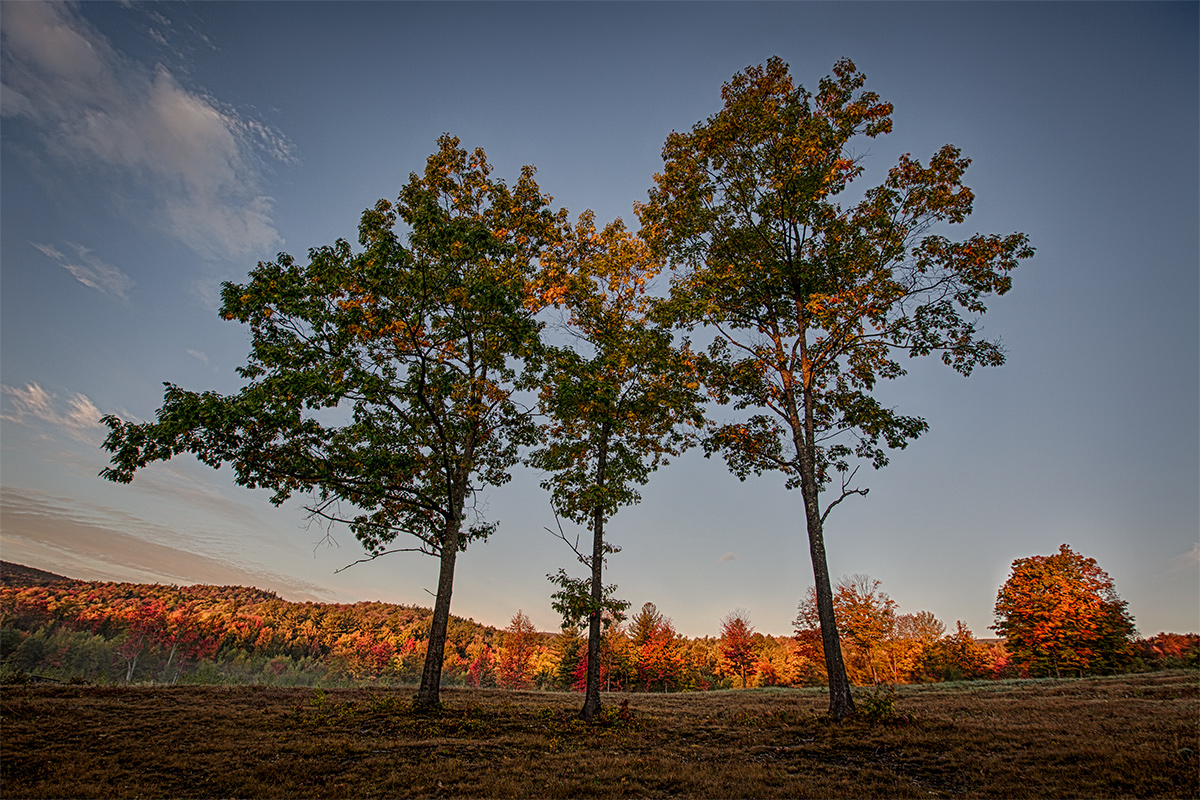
{"x":151,"y":151}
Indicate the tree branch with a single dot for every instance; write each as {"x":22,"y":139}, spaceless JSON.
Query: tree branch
{"x":583,"y":559}
{"x":846,"y":492}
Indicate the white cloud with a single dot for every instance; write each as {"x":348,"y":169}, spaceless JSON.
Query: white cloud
{"x":90,"y":270}
{"x":728,"y":557}
{"x":97,"y":109}
{"x":34,"y":407}
{"x":1190,"y":560}
{"x":202,"y":358}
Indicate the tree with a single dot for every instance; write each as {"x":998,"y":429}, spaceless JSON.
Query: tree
{"x":571,"y":649}
{"x":618,"y":403}
{"x":517,"y":654}
{"x":481,"y":672}
{"x":660,"y":658}
{"x":867,"y":615}
{"x":956,"y":656}
{"x":737,"y":643}
{"x":911,"y":636}
{"x":866,"y":619}
{"x":381,"y":381}
{"x":809,"y":301}
{"x":1062,"y":612}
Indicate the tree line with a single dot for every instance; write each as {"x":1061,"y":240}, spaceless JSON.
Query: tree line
{"x":75,"y":630}
{"x":389,"y":382}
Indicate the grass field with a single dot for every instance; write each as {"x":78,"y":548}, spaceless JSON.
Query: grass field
{"x":1128,"y":736}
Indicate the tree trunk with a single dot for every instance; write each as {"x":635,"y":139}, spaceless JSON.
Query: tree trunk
{"x":841,"y":704}
{"x":428,"y":694}
{"x":170,"y":658}
{"x":591,"y":702}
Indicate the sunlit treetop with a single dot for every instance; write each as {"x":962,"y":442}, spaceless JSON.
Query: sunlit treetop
{"x":814,"y":301}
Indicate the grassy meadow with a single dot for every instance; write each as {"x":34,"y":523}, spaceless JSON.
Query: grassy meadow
{"x":1125,"y":736}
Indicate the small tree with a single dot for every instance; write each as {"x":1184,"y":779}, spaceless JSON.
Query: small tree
{"x":516,"y":656}
{"x":1062,"y":612}
{"x":381,"y":381}
{"x":867,"y":615}
{"x":618,"y":404}
{"x":737,"y":643}
{"x":570,"y":649}
{"x":809,"y":300}
{"x":658,"y":650}
{"x":481,"y":672}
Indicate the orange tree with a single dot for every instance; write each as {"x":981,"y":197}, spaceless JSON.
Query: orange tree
{"x":618,"y":403}
{"x":737,"y":643}
{"x":809,"y":301}
{"x":867,"y":615}
{"x":866,"y":619}
{"x":381,"y":381}
{"x":1062,"y":613}
{"x":516,"y":656}
{"x":658,"y":650}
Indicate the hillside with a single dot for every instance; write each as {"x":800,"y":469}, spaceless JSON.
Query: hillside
{"x":20,"y":575}
{"x":58,"y":626}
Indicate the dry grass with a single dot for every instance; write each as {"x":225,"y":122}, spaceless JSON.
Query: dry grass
{"x":1131,"y":736}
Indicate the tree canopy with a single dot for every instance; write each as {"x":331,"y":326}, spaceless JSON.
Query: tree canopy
{"x":1062,"y":613}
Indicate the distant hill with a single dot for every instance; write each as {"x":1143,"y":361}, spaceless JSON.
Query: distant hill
{"x":157,"y":631}
{"x":20,"y":575}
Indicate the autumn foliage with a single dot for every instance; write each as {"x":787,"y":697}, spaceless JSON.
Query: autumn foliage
{"x":1061,"y":614}
{"x":121,"y":632}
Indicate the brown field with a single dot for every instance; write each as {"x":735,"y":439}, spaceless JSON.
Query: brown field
{"x":1128,"y":736}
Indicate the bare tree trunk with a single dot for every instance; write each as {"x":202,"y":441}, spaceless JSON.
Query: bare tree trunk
{"x":841,"y":704}
{"x":591,"y":702}
{"x":428,"y":693}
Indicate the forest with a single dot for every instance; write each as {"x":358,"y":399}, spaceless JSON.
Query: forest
{"x":65,"y":630}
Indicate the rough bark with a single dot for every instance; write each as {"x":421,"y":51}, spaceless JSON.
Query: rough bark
{"x":428,"y":694}
{"x":591,"y":703}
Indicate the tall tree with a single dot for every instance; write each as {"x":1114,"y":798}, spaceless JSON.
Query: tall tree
{"x":619,"y":400}
{"x":381,"y":381}
{"x":1062,"y":612}
{"x":810,"y":301}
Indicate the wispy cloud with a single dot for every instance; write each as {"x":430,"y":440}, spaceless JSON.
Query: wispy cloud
{"x":202,"y":358}
{"x":90,"y":270}
{"x":33,"y":406}
{"x":95,"y":108}
{"x":95,"y":543}
{"x":1190,"y":560}
{"x":728,"y":557}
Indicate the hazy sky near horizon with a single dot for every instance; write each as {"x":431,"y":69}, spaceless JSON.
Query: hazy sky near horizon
{"x":152,"y":151}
